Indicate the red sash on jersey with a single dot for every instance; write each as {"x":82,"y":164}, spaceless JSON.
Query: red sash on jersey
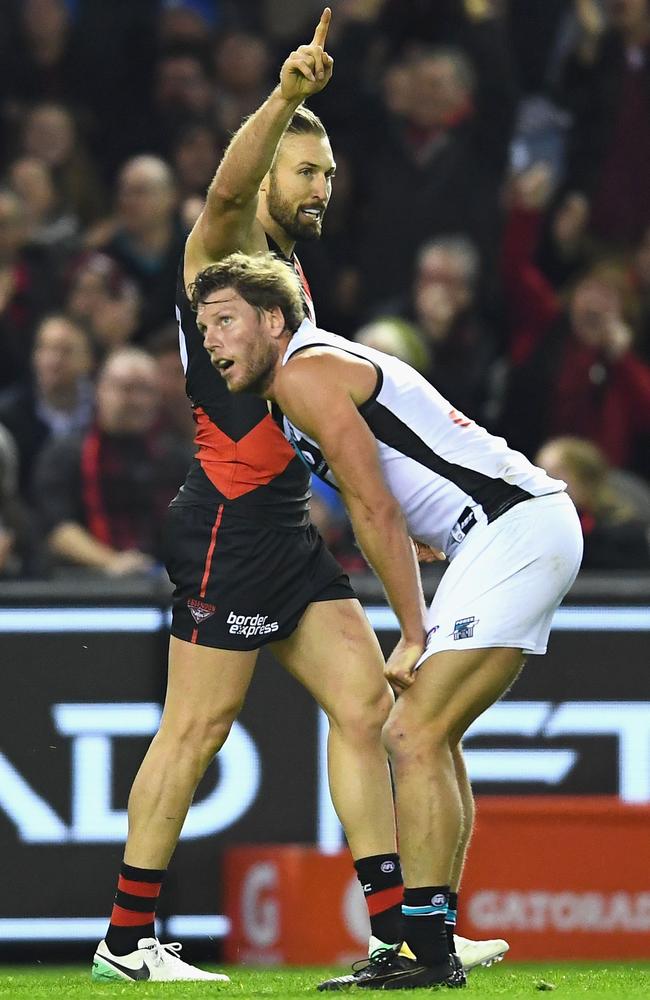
{"x":305,"y":285}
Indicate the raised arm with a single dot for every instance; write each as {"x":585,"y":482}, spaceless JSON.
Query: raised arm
{"x":228,"y":220}
{"x":531,"y":300}
{"x":317,"y":395}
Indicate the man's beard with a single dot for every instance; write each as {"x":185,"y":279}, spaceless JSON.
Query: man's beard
{"x":259,"y":373}
{"x":287,"y":217}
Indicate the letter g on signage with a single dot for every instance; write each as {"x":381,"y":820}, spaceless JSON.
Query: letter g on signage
{"x":260,"y":908}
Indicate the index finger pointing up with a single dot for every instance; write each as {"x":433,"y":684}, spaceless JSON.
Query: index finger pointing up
{"x":320,"y":34}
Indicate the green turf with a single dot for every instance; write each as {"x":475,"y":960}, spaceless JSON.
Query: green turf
{"x":629,"y":980}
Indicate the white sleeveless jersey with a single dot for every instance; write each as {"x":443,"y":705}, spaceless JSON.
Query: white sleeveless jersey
{"x":446,"y":472}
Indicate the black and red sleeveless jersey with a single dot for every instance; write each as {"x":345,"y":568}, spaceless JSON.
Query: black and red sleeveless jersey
{"x":243,"y":458}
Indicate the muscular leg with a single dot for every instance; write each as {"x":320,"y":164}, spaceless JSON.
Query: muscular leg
{"x":451,"y":690}
{"x":205,"y":691}
{"x":335,"y":654}
{"x":467,"y":803}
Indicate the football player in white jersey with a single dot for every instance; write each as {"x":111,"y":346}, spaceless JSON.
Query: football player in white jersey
{"x":408,"y":465}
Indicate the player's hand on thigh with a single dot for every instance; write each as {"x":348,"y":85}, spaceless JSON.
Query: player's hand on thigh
{"x":426,"y":554}
{"x":400,"y":666}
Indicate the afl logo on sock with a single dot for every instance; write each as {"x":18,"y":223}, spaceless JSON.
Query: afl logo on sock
{"x":439,"y":899}
{"x":388,"y":866}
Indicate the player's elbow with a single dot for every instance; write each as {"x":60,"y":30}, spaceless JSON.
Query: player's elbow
{"x":389,"y":511}
{"x":224,"y":197}
{"x":381,"y":511}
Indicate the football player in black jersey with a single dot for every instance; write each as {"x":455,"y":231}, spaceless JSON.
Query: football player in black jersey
{"x":248,"y":567}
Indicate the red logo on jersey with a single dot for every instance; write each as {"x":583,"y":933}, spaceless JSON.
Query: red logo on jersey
{"x":459,"y":418}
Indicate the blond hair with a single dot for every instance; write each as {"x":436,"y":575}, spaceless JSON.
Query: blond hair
{"x":262,"y":280}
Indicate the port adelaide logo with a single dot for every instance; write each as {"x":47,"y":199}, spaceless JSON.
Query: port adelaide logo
{"x":464,"y":627}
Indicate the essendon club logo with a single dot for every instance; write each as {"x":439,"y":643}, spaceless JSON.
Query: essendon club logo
{"x":199,"y":610}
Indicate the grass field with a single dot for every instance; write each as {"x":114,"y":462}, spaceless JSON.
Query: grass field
{"x":567,"y":981}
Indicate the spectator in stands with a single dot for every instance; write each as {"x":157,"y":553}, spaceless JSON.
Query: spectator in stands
{"x":442,"y":307}
{"x":19,"y":554}
{"x":185,"y":22}
{"x":43,"y":62}
{"x":437,"y":168}
{"x":432,"y":22}
{"x":535,"y":27}
{"x":242,"y":62}
{"x":575,"y":370}
{"x":614,"y":537}
{"x":27,"y":288}
{"x":57,"y":399}
{"x":145,"y":236}
{"x":175,"y":411}
{"x":183,"y":92}
{"x":50,"y":134}
{"x":49,"y":224}
{"x":565,"y":245}
{"x":189,"y":210}
{"x":195,"y":156}
{"x":102,"y":495}
{"x":641,"y":279}
{"x":395,"y":336}
{"x":607,"y":88}
{"x":105,"y":301}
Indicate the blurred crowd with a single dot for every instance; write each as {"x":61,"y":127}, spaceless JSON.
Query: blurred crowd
{"x":490,"y":224}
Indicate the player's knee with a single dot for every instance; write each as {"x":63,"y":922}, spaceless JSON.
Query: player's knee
{"x":363,"y":720}
{"x":197,"y":736}
{"x":211,"y":734}
{"x":408,"y":743}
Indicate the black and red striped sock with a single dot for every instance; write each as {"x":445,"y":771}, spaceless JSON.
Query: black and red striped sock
{"x":134,"y":909}
{"x":383,"y":888}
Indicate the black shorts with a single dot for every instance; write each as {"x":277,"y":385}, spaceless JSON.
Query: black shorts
{"x":239,"y":584}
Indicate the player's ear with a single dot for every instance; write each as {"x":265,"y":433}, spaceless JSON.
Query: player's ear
{"x":276,"y":321}
{"x":264,"y":186}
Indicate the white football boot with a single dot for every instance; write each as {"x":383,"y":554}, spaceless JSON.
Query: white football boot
{"x":474,"y":953}
{"x":153,"y":961}
{"x":470,"y":953}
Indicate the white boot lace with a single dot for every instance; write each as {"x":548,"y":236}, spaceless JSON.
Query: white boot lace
{"x":163,"y":952}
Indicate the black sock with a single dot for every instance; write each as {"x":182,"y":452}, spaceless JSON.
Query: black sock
{"x":381,"y":880}
{"x":450,"y":921}
{"x":424,"y":923}
{"x":134,"y":909}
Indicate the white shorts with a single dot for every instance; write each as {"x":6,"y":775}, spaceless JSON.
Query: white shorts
{"x":507,"y":579}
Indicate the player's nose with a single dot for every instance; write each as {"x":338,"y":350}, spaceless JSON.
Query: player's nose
{"x":212,"y":338}
{"x":319,"y":189}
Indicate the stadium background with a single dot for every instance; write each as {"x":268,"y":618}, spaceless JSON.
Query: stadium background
{"x":490,"y":223}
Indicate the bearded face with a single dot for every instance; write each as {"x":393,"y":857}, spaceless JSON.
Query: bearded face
{"x":257,"y":372}
{"x":301,"y":221}
{"x":299,"y":185}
